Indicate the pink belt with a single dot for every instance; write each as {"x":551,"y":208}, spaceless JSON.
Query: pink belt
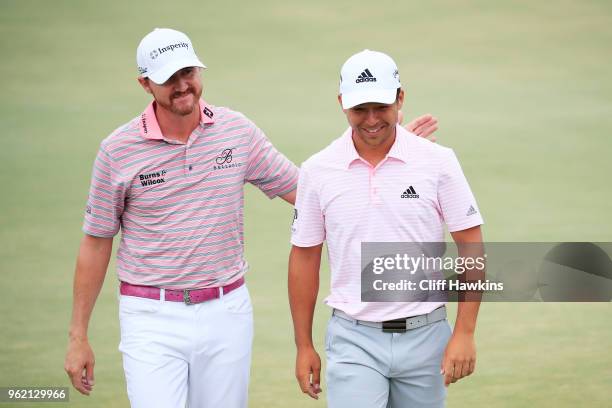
{"x":189,"y":296}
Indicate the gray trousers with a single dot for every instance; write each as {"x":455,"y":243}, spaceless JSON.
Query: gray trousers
{"x":372,"y":369}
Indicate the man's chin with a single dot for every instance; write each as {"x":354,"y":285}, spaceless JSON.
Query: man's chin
{"x":184,"y":105}
{"x":184,"y":110}
{"x":372,"y":139}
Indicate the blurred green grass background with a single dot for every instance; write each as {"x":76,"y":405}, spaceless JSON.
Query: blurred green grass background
{"x":523,"y":92}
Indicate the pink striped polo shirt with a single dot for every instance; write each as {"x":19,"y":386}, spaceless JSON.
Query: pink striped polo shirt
{"x":345,"y":201}
{"x":180,"y":205}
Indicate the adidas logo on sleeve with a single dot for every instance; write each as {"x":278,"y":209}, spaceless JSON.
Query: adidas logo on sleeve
{"x":410,"y":193}
{"x":365,"y":76}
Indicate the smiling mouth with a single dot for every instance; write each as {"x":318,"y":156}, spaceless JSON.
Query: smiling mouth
{"x":374,"y":130}
{"x":182,"y":95}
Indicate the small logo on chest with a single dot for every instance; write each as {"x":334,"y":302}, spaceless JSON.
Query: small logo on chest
{"x":224,"y":160}
{"x":149,"y":179}
{"x":471,"y":211}
{"x":410,"y":193}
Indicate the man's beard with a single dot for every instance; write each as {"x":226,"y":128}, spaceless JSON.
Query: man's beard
{"x":182,"y":110}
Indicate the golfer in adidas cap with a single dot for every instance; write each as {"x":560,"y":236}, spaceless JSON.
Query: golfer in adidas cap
{"x":378,"y":183}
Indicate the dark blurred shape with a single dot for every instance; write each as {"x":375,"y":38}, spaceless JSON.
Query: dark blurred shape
{"x":576,"y":272}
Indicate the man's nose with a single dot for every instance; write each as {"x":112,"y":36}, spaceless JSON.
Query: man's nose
{"x":181,"y":84}
{"x":371,"y":117}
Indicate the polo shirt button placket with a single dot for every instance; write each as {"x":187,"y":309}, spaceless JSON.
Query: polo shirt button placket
{"x":189,"y":162}
{"x":188,"y":166}
{"x":374,"y":196}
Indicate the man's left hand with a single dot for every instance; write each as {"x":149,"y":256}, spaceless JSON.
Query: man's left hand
{"x":459,"y":358}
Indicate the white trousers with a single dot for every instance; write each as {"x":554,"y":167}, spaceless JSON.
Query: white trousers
{"x":177,"y":355}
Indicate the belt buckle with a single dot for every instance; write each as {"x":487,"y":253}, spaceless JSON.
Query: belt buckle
{"x":394,"y":326}
{"x":186,"y":297}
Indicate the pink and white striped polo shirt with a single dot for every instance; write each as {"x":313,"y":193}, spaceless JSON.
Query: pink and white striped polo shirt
{"x":180,"y":205}
{"x":342,"y":199}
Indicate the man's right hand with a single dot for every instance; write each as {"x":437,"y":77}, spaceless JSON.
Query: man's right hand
{"x":79,"y":365}
{"x":94,"y":254}
{"x":424,"y":126}
{"x":308,"y":371}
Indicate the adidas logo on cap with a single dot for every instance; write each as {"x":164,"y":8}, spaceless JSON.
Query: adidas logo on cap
{"x":410,"y":193}
{"x":365,"y":76}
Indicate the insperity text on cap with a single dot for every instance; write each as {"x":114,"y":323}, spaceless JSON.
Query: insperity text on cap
{"x":164,"y":51}
{"x":368,"y":76}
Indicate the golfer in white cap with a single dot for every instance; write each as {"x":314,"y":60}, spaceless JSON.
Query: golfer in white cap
{"x":172,"y":181}
{"x":378,"y":183}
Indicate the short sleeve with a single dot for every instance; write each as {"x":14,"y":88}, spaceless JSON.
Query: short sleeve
{"x":457,"y":203}
{"x":267,"y":168}
{"x":106,"y":198}
{"x":308,"y":228}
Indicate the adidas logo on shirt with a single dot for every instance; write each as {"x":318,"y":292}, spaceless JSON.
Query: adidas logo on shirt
{"x":410,"y":193}
{"x":365,"y":76}
{"x":471,"y":211}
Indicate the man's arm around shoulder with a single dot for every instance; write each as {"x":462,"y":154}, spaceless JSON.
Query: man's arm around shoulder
{"x":290,"y":196}
{"x":92,"y":262}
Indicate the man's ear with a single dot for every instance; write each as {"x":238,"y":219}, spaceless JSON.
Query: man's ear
{"x":340,"y":102}
{"x":144,"y":82}
{"x":400,"y":99}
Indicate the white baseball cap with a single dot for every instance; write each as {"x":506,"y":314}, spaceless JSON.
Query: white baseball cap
{"x":369,"y":76}
{"x":164,"y":51}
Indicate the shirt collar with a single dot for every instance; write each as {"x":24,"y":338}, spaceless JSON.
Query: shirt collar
{"x":348,"y":151}
{"x":399,"y":149}
{"x":149,"y":127}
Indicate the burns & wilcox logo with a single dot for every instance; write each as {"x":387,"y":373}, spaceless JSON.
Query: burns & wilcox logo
{"x":150,"y":179}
